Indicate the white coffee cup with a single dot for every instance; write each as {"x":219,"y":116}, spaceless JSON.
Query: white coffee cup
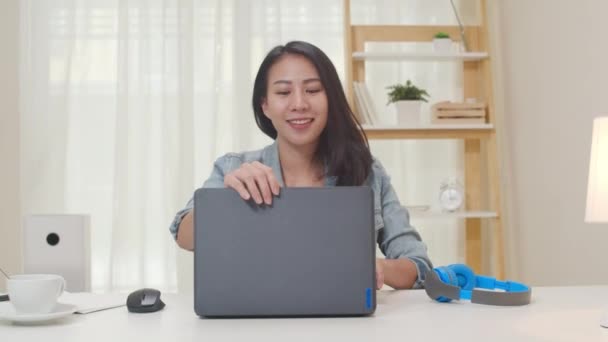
{"x":35,"y":293}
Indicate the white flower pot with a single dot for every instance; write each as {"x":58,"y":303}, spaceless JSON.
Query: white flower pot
{"x":442,"y":45}
{"x":408,"y":112}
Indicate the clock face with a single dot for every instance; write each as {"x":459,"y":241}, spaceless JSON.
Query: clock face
{"x":451,"y":199}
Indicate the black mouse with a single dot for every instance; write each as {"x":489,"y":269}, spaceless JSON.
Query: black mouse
{"x":145,"y":300}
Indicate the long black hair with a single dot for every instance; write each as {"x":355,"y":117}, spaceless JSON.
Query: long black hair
{"x":343,"y":144}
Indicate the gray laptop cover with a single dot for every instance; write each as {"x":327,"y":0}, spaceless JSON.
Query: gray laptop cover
{"x":312,"y":253}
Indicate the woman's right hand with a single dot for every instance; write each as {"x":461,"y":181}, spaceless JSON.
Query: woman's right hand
{"x":254,"y":180}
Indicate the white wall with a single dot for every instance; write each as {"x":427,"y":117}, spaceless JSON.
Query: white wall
{"x":552,"y":74}
{"x":10,"y":254}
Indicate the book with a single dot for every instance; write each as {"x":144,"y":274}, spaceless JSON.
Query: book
{"x":371,"y":107}
{"x":88,"y":302}
{"x":360,"y":109}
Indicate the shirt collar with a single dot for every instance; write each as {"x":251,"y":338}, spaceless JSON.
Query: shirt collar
{"x":271,"y":158}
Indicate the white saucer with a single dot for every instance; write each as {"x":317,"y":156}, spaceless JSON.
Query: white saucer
{"x":7,"y":312}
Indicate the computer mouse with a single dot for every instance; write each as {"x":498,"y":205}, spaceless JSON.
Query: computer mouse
{"x":145,"y":300}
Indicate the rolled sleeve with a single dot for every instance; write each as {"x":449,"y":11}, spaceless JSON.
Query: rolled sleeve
{"x":216,"y":180}
{"x":179,"y":217}
{"x":421,"y":267}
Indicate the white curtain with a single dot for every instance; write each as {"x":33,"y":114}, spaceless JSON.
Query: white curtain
{"x":125,"y":105}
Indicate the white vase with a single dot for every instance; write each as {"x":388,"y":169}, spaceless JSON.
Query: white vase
{"x":408,"y":112}
{"x":442,"y":45}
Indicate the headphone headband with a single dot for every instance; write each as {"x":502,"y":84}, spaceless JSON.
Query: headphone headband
{"x":516,"y":293}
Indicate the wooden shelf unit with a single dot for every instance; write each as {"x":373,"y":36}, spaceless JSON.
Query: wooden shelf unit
{"x":433,"y":214}
{"x":477,"y":83}
{"x":478,"y":131}
{"x":419,"y":56}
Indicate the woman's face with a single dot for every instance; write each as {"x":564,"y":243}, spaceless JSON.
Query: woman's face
{"x":296,"y":101}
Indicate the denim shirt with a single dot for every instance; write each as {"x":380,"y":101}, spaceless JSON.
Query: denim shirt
{"x":394,"y":234}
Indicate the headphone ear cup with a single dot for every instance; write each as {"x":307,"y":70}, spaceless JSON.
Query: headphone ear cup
{"x":447,"y":276}
{"x":464,"y":275}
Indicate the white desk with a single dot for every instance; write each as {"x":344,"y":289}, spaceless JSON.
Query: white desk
{"x":556,"y":314}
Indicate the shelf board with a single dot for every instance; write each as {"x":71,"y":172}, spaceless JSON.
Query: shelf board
{"x":454,"y":131}
{"x":434,"y":214}
{"x":419,"y":56}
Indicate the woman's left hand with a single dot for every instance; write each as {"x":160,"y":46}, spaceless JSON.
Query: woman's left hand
{"x":379,"y":273}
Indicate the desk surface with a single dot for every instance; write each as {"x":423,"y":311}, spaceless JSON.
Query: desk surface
{"x":555,"y":314}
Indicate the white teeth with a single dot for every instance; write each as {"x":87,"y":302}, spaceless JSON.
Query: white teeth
{"x":300,"y":122}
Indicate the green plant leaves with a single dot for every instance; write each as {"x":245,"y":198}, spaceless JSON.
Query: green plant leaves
{"x":407,"y":91}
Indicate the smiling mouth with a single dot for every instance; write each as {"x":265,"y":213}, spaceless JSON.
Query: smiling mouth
{"x":301,"y":121}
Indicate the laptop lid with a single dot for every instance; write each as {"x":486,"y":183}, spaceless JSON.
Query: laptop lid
{"x":312,"y":253}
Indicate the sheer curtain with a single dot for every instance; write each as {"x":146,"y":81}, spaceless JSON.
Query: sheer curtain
{"x":126,"y":104}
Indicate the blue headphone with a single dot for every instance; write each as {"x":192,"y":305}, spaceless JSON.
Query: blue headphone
{"x":458,"y":281}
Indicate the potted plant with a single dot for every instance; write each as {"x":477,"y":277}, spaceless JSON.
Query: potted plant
{"x":442,"y":42}
{"x":408,"y":99}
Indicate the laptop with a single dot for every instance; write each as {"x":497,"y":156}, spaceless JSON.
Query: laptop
{"x":312,"y":253}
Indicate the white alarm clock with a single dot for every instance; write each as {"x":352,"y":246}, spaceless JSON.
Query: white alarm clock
{"x":451,"y":195}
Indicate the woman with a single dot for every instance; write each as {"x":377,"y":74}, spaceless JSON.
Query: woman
{"x":298,"y":101}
